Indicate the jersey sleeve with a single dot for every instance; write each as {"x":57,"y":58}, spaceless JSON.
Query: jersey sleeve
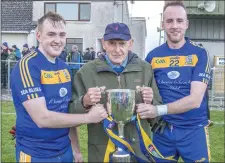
{"x":202,"y":70}
{"x":149,"y":57}
{"x":26,"y":82}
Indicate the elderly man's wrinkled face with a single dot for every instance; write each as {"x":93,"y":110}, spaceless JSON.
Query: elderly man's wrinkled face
{"x":117,"y":50}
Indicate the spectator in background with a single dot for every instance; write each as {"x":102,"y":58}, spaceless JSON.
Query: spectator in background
{"x":63,"y":55}
{"x":92,"y":53}
{"x":74,"y":57}
{"x":4,"y":55}
{"x":12,"y":58}
{"x":32,"y":48}
{"x":25,"y":50}
{"x":99,"y":54}
{"x":87,"y":54}
{"x":17,"y":50}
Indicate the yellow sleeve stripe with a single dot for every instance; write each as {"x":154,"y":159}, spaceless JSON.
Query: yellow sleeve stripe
{"x":206,"y":81}
{"x":208,"y":68}
{"x":27,"y":70}
{"x":25,"y":73}
{"x":32,"y":96}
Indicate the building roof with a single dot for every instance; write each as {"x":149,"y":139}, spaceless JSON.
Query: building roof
{"x":17,"y":15}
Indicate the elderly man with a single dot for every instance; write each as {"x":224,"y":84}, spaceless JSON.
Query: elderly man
{"x":118,"y":68}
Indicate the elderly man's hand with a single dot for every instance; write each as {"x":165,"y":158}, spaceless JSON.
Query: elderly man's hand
{"x":147,"y":111}
{"x":96,"y":114}
{"x":93,"y":96}
{"x":147,"y":94}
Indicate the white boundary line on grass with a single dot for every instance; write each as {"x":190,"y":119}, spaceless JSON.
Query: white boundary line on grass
{"x":3,"y":113}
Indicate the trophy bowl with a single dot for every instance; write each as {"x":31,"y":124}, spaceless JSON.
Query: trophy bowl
{"x":122,"y":104}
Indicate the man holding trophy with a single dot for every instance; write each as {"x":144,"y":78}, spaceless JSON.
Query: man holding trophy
{"x":112,"y":81}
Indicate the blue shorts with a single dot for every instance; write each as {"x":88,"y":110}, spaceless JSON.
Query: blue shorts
{"x":65,"y":157}
{"x":192,"y":145}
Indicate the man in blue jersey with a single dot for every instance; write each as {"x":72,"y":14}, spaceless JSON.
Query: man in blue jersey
{"x":41,"y":90}
{"x":182,"y":73}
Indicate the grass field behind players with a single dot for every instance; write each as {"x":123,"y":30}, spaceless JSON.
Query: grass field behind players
{"x":216,"y":133}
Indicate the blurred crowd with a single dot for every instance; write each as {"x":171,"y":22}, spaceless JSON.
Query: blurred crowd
{"x":75,"y":58}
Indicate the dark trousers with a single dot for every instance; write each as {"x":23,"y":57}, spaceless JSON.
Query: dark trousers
{"x":3,"y":75}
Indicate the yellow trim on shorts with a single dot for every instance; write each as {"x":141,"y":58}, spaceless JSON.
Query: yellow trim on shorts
{"x":207,"y":142}
{"x":24,"y":157}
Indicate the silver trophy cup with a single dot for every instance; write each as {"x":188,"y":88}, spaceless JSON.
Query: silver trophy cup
{"x":122,"y":104}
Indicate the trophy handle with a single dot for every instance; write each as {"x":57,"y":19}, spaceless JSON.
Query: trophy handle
{"x":102,"y":89}
{"x":138,"y":90}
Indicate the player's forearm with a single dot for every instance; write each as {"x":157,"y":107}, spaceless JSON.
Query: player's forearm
{"x":74,"y":139}
{"x":62,"y":120}
{"x":184,"y":104}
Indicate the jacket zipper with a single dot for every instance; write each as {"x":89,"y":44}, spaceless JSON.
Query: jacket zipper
{"x":118,"y":78}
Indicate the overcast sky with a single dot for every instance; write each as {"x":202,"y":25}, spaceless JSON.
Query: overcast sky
{"x":151,"y":10}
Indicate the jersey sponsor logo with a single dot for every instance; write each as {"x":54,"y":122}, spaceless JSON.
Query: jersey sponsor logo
{"x":189,"y":60}
{"x":47,"y":75}
{"x":173,"y":74}
{"x":55,"y":77}
{"x":204,"y":75}
{"x":30,"y":90}
{"x":174,"y":61}
{"x":67,"y":75}
{"x":160,"y":61}
{"x":63,"y":92}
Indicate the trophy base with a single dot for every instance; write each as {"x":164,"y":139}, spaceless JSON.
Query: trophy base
{"x":121,"y":156}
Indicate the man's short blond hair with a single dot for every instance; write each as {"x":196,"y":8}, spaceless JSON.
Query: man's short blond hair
{"x":52,"y":17}
{"x":174,"y":3}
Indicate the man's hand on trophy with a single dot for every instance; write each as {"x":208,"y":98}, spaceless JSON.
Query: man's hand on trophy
{"x":147,"y":94}
{"x":96,"y":114}
{"x":146,"y":111}
{"x":93,"y":96}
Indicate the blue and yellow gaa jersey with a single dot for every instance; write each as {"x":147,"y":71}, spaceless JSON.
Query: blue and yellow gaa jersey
{"x":33,"y":77}
{"x":174,"y":70}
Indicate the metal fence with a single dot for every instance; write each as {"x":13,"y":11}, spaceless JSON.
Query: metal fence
{"x":216,"y":89}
